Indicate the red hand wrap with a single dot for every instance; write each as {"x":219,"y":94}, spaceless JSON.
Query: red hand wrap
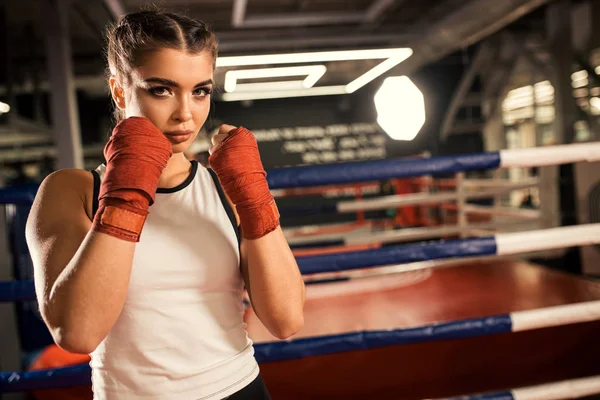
{"x":240,"y":171}
{"x":136,"y":155}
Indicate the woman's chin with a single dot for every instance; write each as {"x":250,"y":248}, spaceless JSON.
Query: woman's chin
{"x":181,"y":147}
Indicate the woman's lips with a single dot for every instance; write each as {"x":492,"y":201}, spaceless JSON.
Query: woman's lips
{"x":179,"y":136}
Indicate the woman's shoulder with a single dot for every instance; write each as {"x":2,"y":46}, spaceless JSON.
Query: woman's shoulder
{"x":69,"y":178}
{"x":71,"y":182}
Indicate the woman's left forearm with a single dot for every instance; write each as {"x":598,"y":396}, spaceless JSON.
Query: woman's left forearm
{"x":274,"y":283}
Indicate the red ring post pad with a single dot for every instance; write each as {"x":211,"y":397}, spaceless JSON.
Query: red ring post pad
{"x":365,"y":171}
{"x":483,"y":246}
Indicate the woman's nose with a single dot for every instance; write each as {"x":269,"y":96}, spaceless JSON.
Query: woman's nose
{"x":183,"y":111}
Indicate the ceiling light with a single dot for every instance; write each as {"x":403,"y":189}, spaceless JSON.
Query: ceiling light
{"x":313,"y":74}
{"x":400,"y":108}
{"x":4,"y":108}
{"x":392,"y":57}
{"x":280,"y":94}
{"x":269,"y":86}
{"x":322,"y":56}
{"x":583,"y":74}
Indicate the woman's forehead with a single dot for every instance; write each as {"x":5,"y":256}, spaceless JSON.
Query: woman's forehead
{"x":176,"y":65}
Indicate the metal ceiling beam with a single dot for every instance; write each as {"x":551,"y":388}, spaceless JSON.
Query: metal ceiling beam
{"x":115,"y":8}
{"x":529,"y":56}
{"x":89,"y":23}
{"x":37,"y":153}
{"x":318,"y":41}
{"x":283,"y":32}
{"x":239,"y":13}
{"x":377,"y":9}
{"x":13,"y":139}
{"x":90,"y":83}
{"x":21,"y":124}
{"x":467,"y":25}
{"x":494,"y":97}
{"x":287,"y":20}
{"x":466,"y":83}
{"x":377,"y":13}
{"x":466,"y":126}
{"x":239,"y":19}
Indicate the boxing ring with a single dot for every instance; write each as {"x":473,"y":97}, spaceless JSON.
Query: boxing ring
{"x":391,"y":316}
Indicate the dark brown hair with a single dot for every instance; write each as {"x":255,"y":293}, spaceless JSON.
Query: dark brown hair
{"x":140,"y":33}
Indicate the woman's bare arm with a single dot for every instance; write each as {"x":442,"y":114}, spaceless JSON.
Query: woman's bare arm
{"x":274,"y":283}
{"x":81,"y":276}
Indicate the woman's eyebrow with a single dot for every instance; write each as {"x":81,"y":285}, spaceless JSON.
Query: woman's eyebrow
{"x":169,"y":82}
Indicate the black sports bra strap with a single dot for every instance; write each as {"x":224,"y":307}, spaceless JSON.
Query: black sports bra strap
{"x":96,"y":192}
{"x":226,"y":204}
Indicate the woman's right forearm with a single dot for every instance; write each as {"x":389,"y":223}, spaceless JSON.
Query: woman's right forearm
{"x":88,"y":296}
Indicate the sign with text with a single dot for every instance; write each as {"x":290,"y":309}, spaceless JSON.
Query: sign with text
{"x":313,"y":145}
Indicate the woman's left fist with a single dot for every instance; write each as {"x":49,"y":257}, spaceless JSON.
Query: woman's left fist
{"x":218,"y":139}
{"x":243,"y":178}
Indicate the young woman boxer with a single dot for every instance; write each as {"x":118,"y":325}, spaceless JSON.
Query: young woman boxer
{"x":143,"y":262}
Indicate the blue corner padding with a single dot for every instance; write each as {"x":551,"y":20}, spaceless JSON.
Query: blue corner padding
{"x":16,"y":291}
{"x":18,"y":195}
{"x":379,"y":170}
{"x":76,"y":375}
{"x":487,"y":396}
{"x":397,"y":255}
{"x":288,"y":350}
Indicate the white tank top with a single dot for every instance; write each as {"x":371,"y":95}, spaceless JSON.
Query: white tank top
{"x":181,"y":334}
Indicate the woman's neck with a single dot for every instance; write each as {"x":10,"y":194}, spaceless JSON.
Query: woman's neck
{"x":176,"y":172}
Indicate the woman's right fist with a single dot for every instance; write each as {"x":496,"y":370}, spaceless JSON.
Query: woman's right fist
{"x":136,"y":154}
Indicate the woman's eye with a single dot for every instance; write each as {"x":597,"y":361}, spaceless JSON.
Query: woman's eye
{"x":159,"y":91}
{"x":202,"y":92}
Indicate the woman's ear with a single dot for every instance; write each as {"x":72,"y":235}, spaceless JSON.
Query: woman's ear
{"x":117,"y":92}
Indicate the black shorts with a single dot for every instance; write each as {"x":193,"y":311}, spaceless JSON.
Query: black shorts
{"x":256,"y":390}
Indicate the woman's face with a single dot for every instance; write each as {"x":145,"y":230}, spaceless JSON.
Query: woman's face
{"x":172,"y":89}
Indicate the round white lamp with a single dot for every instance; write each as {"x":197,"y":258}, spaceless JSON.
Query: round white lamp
{"x":4,"y":108}
{"x":400,"y":108}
